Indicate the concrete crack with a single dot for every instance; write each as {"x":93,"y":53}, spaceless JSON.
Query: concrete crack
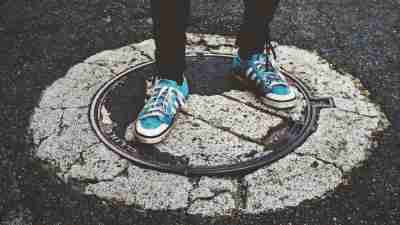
{"x":41,"y":140}
{"x":216,"y":193}
{"x":195,"y":184}
{"x":80,"y":158}
{"x":65,"y":107}
{"x":241,"y":202}
{"x":357,"y":113}
{"x":122,"y":173}
{"x":104,"y":65}
{"x":142,"y":52}
{"x":61,"y":125}
{"x":279,"y":114}
{"x":226,"y":129}
{"x":147,"y":56}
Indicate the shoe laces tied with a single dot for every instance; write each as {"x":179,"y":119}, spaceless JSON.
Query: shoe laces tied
{"x":161,"y":102}
{"x":268,"y":76}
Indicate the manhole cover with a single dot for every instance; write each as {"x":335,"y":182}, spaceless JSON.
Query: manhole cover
{"x":218,"y":133}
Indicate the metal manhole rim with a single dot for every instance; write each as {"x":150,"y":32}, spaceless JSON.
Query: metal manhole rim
{"x":309,"y":126}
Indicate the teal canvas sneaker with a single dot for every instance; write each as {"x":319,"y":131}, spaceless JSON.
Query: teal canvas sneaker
{"x":157,"y":117}
{"x":261,"y":73}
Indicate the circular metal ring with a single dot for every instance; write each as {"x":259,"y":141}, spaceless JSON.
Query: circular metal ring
{"x":297,"y":134}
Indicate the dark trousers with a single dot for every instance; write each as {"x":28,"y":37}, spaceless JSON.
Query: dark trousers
{"x":170,"y":19}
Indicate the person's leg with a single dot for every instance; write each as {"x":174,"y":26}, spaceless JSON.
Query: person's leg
{"x":168,"y":94}
{"x":254,"y":31}
{"x":170,"y":18}
{"x":254,"y":68}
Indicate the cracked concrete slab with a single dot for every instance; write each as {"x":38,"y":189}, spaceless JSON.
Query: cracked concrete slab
{"x":318,"y":74}
{"x":206,"y":44}
{"x":214,"y":196}
{"x":117,"y":190}
{"x":221,"y":204}
{"x":211,"y":135}
{"x":364,"y":108}
{"x":146,"y":189}
{"x":119,"y":59}
{"x":61,"y":135}
{"x":64,"y":150}
{"x":231,"y":115}
{"x":44,"y":123}
{"x":146,"y":48}
{"x":205,"y":145}
{"x":159,"y":191}
{"x":289,"y":182}
{"x":342,"y":138}
{"x":209,"y":187}
{"x":76,"y":88}
{"x":98,"y":164}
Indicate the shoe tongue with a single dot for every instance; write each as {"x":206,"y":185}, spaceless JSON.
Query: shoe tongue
{"x":257,"y":58}
{"x":168,"y":83}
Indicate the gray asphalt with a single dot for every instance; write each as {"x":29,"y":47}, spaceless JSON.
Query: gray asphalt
{"x":40,"y":40}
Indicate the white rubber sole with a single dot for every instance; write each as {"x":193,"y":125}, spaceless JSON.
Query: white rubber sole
{"x":278,"y":104}
{"x":132,"y":135}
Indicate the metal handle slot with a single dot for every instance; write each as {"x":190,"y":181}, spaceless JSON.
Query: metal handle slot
{"x":323,"y":102}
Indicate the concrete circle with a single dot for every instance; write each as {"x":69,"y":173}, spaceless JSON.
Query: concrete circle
{"x":64,"y":139}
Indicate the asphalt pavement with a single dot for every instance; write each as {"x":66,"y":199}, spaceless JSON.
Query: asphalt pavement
{"x":40,"y":40}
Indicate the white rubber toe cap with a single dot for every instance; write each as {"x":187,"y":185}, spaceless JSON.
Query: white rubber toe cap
{"x":283,"y":98}
{"x":150,"y":132}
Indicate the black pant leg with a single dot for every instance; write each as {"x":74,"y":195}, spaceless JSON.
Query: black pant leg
{"x":254,"y":31}
{"x":170,"y":18}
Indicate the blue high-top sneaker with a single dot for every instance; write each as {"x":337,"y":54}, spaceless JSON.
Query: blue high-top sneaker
{"x":261,"y":73}
{"x":157,"y":117}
